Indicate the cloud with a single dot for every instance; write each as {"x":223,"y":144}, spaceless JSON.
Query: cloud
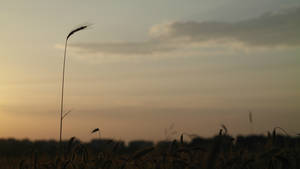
{"x":269,"y":30}
{"x":146,"y":47}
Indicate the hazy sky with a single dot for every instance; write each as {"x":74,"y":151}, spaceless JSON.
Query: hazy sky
{"x":145,"y":65}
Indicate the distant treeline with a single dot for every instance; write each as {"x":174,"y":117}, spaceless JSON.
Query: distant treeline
{"x":254,"y":143}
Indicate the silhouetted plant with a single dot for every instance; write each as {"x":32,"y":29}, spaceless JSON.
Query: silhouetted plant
{"x":62,"y":115}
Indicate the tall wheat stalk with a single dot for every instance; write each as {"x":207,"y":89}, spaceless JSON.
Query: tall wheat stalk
{"x":62,"y":115}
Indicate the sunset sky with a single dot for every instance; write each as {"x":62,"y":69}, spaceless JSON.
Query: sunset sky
{"x":144,"y":66}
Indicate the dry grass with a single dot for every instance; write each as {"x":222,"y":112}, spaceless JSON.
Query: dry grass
{"x":220,"y":152}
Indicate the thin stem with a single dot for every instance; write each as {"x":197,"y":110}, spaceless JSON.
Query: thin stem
{"x":64,"y":115}
{"x":63,"y":80}
{"x":62,"y":92}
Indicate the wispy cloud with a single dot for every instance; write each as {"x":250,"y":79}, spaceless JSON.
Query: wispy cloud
{"x":146,"y":47}
{"x":269,"y":30}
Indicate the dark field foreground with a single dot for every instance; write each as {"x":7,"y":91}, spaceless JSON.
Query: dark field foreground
{"x":219,"y":152}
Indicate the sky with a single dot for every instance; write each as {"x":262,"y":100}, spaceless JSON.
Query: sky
{"x":149,"y":70}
